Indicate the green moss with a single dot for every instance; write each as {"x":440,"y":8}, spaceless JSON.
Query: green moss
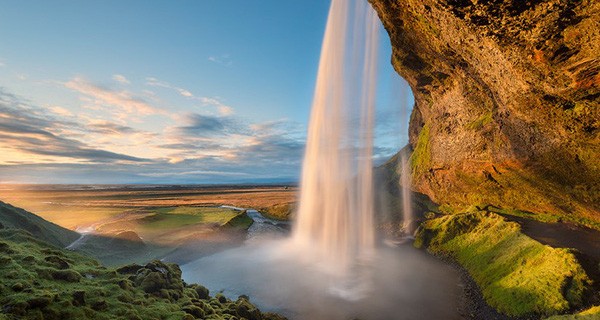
{"x":35,"y":284}
{"x":421,"y":156}
{"x":242,"y":222}
{"x":480,"y":122}
{"x":592,"y":313}
{"x":280,"y":211}
{"x":517,"y":275}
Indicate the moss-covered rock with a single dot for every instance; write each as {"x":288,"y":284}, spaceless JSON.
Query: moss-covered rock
{"x":86,"y":290}
{"x":517,"y":275}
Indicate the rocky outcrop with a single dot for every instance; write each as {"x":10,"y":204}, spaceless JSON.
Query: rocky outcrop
{"x":507,"y":95}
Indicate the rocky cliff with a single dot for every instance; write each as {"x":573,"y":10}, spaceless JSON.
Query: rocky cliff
{"x":507,"y":101}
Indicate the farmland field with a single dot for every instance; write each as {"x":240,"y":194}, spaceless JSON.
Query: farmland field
{"x":151,"y":221}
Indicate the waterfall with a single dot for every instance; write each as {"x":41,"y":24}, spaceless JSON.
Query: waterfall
{"x":335,"y":214}
{"x":405,"y":182}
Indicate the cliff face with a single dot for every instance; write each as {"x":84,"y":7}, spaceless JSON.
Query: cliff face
{"x":507,"y":101}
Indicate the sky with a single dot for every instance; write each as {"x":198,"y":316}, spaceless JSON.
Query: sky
{"x":174,"y":92}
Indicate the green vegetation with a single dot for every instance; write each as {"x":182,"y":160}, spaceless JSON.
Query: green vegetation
{"x":481,"y":121}
{"x":421,"y":155}
{"x":592,"y":313}
{"x":13,"y":217}
{"x":40,"y":281}
{"x":516,"y":274}
{"x":280,"y":211}
{"x":177,"y":217}
{"x":240,"y":222}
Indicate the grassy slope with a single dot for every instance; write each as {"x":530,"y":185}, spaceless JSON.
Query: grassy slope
{"x":279,"y":211}
{"x":40,"y":281}
{"x":592,"y":313}
{"x":14,"y":217}
{"x":517,"y":275}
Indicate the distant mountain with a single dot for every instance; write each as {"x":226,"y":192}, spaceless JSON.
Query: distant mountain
{"x":13,"y":217}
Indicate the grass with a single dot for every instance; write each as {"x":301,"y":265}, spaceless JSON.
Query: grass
{"x":71,"y":208}
{"x":178,"y":217}
{"x":592,"y":313}
{"x":40,"y":281}
{"x":517,"y":275}
{"x":280,"y":211}
{"x":18,"y":218}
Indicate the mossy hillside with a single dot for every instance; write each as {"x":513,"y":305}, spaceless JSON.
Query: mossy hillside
{"x":240,"y":222}
{"x":280,"y":211}
{"x":592,"y":313}
{"x":40,"y":281}
{"x":13,"y":217}
{"x":516,"y":274}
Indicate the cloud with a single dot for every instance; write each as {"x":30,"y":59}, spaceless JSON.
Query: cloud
{"x":25,"y":129}
{"x":206,"y":125}
{"x":120,"y":99}
{"x":110,"y":128}
{"x":222,"y":108}
{"x":223,"y":59}
{"x":55,"y":145}
{"x":61,"y":111}
{"x":153,"y":82}
{"x":120,"y":79}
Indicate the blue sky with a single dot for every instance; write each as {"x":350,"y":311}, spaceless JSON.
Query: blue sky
{"x":166,"y":92}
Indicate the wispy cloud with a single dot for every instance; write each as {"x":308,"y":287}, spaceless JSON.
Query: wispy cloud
{"x":224,"y":59}
{"x":153,"y":82}
{"x":26,"y":129}
{"x":222,"y":108}
{"x":61,"y":111}
{"x":121,"y":79}
{"x":120,"y":99}
{"x":110,"y":128}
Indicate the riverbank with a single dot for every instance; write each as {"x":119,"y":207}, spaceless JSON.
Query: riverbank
{"x":517,"y":275}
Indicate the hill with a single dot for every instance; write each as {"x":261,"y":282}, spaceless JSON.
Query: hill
{"x":13,"y":217}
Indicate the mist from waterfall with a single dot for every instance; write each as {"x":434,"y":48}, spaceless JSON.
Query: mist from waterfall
{"x":335,"y":214}
{"x":405,"y":182}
